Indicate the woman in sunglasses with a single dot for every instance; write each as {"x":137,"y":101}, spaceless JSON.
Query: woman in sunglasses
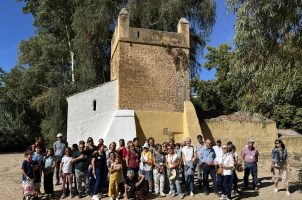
{"x":280,"y":165}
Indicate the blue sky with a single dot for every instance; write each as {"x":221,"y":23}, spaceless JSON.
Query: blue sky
{"x":17,"y":27}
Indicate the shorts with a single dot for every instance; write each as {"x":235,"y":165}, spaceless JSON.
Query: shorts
{"x":280,"y":174}
{"x":148,"y":175}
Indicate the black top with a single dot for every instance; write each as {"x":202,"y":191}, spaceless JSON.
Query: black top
{"x":100,"y":160}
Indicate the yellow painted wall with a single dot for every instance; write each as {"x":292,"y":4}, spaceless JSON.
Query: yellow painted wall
{"x":151,"y":124}
{"x":191,"y":123}
{"x":239,"y":131}
{"x":293,"y":143}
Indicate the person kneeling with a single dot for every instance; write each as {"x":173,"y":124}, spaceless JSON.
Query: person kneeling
{"x":132,"y":185}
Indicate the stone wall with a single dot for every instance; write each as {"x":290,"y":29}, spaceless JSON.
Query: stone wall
{"x":239,"y":132}
{"x":293,"y":143}
{"x":152,"y":66}
{"x":148,"y":79}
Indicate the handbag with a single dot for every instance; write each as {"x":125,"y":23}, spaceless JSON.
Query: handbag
{"x":219,"y":171}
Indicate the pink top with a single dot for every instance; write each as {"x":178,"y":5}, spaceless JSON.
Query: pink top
{"x":250,"y":156}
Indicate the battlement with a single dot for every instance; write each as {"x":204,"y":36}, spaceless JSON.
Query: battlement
{"x":125,"y":33}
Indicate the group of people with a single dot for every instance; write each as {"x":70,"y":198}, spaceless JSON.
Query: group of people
{"x":131,"y":171}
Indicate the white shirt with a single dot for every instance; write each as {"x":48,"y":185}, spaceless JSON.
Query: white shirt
{"x":67,"y":164}
{"x":218,"y":152}
{"x":171,"y":159}
{"x":188,"y":153}
{"x":227,"y":161}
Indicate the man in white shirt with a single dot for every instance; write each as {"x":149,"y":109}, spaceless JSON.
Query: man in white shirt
{"x":218,"y":150}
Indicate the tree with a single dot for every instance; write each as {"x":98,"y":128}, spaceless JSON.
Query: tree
{"x":268,"y":57}
{"x":217,"y":96}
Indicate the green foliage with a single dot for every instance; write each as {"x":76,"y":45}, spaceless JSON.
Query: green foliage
{"x":216,"y":97}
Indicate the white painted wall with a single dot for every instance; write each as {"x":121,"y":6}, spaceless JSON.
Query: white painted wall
{"x":82,"y":121}
{"x":106,"y":122}
{"x":122,"y":126}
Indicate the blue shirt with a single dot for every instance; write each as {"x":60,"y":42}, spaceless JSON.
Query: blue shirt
{"x":28,"y":168}
{"x":207,"y":155}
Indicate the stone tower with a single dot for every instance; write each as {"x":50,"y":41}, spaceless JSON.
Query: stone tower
{"x":149,"y":91}
{"x":151,"y":66}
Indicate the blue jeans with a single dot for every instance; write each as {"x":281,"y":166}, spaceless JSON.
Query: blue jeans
{"x":250,"y":168}
{"x":100,"y":177}
{"x":189,"y":179}
{"x":219,"y":182}
{"x":175,"y":183}
{"x":208,"y":169}
{"x":226,"y":185}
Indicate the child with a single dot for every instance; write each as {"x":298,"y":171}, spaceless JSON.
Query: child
{"x":115,"y":171}
{"x":38,"y":165}
{"x":49,"y":165}
{"x":66,"y":171}
{"x":27,"y":170}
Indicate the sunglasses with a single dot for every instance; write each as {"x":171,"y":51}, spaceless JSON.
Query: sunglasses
{"x":277,"y":143}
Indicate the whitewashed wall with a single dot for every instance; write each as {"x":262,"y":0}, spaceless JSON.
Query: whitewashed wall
{"x":82,"y":121}
{"x":105,"y":122}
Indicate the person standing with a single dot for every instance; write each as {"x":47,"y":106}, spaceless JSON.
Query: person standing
{"x":132,"y":160}
{"x":81,"y":170}
{"x":198,"y":148}
{"x":207,"y":157}
{"x":146,"y":165}
{"x":159,"y":171}
{"x":66,"y":172}
{"x":138,"y":149}
{"x":172,"y":164}
{"x":227,"y":165}
{"x":99,"y":169}
{"x":189,"y":158}
{"x":49,"y":165}
{"x":250,"y":156}
{"x":280,"y":165}
{"x":59,"y":148}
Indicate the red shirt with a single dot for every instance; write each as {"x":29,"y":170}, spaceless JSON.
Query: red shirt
{"x":122,"y":151}
{"x":133,"y":160}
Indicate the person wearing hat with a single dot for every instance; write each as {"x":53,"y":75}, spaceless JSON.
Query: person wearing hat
{"x":250,"y":156}
{"x":146,"y":165}
{"x":172,"y":164}
{"x":59,"y":148}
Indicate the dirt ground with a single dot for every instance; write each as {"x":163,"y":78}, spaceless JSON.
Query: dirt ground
{"x":10,"y":188}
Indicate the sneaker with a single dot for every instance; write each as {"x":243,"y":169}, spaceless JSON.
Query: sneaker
{"x":173,"y":194}
{"x":276,"y":190}
{"x":288,"y":193}
{"x":191,"y":194}
{"x":222,"y":197}
{"x":162,"y":194}
{"x":111,"y":198}
{"x":63,"y":196}
{"x":181,"y":196}
{"x":255,"y":188}
{"x":170,"y":192}
{"x":95,"y":197}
